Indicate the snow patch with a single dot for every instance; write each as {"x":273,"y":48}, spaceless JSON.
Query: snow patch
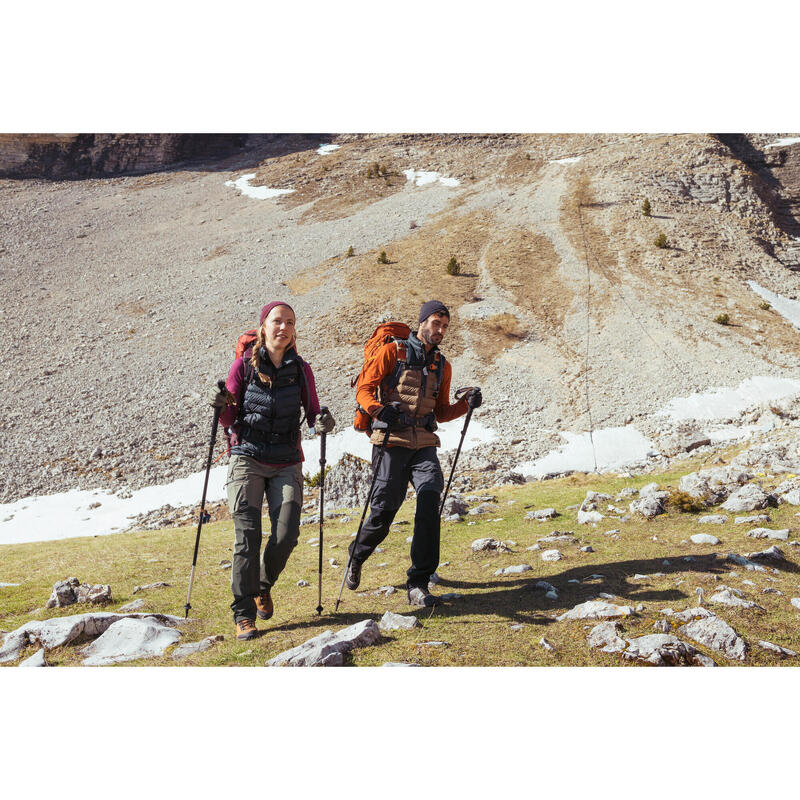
{"x":614,"y":447}
{"x":422,"y":178}
{"x":725,"y":403}
{"x":783,"y":142}
{"x":572,"y":160}
{"x":789,"y":309}
{"x":256,"y":192}
{"x":325,"y":149}
{"x":67,"y":515}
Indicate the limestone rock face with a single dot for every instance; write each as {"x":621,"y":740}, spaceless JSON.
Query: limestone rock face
{"x":129,"y":639}
{"x":713,"y":485}
{"x":347,"y":483}
{"x":328,"y":649}
{"x":748,"y":498}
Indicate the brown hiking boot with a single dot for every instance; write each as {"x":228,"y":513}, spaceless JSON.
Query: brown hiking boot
{"x":246,"y":629}
{"x":264,"y":606}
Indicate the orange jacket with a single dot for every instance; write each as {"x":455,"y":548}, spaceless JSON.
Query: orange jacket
{"x":383,"y":365}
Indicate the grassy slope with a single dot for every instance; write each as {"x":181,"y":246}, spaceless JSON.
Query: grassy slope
{"x":476,"y":626}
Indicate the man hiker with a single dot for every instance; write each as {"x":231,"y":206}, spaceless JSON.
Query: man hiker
{"x":410,"y":395}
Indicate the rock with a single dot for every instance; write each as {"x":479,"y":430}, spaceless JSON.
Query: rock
{"x":783,"y":652}
{"x":99,"y":594}
{"x":713,"y":519}
{"x":567,"y":537}
{"x":595,"y":609}
{"x":395,"y":622}
{"x":190,"y":648}
{"x":516,"y":570}
{"x":704,"y":538}
{"x":347,"y":482}
{"x":148,"y":586}
{"x":628,"y":491}
{"x":587,"y":517}
{"x":544,"y":585}
{"x":792,"y":497}
{"x":225,"y":564}
{"x":63,"y":593}
{"x":682,"y":442}
{"x":134,"y":605}
{"x":795,"y":601}
{"x":648,"y":489}
{"x":767,"y":533}
{"x":483,"y":508}
{"x":606,"y":637}
{"x":713,"y":485}
{"x":665,"y":650}
{"x":649,"y":506}
{"x":328,"y":649}
{"x":36,"y":660}
{"x":715,"y":633}
{"x":551,"y":595}
{"x":451,"y":518}
{"x":542,"y":514}
{"x":741,"y":561}
{"x":333,"y":562}
{"x":552,"y":555}
{"x":59,"y":631}
{"x":398,"y":664}
{"x":450,"y":596}
{"x":698,"y":612}
{"x":751,"y":520}
{"x":587,"y":549}
{"x":662,"y":625}
{"x":384,"y":591}
{"x":727,"y":598}
{"x":129,"y":639}
{"x":454,"y":505}
{"x":489,"y":545}
{"x":773,"y":553}
{"x":546,"y":645}
{"x":302,"y":584}
{"x":747,"y":498}
{"x":534,"y":547}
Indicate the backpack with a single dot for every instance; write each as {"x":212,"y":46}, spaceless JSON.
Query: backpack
{"x":386,"y":332}
{"x":244,"y":342}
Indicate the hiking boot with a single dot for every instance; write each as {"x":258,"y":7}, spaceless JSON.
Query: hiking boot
{"x":246,"y":629}
{"x":264,"y":606}
{"x":353,"y":577}
{"x":418,"y":596}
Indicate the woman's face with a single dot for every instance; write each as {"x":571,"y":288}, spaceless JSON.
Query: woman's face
{"x":279,"y":328}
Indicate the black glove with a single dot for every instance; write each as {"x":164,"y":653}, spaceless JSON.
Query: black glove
{"x":390,"y":415}
{"x":325,"y":422}
{"x":474,"y":397}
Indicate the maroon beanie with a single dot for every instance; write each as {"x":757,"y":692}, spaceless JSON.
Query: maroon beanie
{"x":267,"y":308}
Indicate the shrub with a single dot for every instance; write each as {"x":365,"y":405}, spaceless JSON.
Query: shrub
{"x":350,"y":252}
{"x":661,"y":241}
{"x":506,"y":325}
{"x":646,"y":209}
{"x":453,"y":267}
{"x":715,"y":279}
{"x":764,"y":305}
{"x":722,"y":319}
{"x":684,"y":502}
{"x":313,"y":480}
{"x":383,"y":258}
{"x":412,"y":224}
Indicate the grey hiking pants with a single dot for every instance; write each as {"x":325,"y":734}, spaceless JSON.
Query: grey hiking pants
{"x":398,"y":466}
{"x":248,"y":481}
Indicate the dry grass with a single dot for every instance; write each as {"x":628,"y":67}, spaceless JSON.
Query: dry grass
{"x":219,"y":250}
{"x":475,"y":627}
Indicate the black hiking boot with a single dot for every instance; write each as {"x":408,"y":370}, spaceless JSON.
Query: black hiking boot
{"x":353,"y":577}
{"x":419,"y":596}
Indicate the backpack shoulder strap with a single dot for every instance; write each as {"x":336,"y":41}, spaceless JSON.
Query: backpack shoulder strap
{"x":401,"y":364}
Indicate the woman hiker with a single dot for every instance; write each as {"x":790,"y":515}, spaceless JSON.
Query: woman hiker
{"x":266,"y":391}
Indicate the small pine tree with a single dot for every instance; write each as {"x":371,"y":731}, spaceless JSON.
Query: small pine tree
{"x":646,"y":209}
{"x":453,"y":267}
{"x":383,"y":258}
{"x":350,"y":252}
{"x":661,"y":241}
{"x":764,"y":305}
{"x":722,"y":319}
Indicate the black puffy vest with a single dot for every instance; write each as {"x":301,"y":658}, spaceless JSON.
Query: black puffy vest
{"x":269,"y":420}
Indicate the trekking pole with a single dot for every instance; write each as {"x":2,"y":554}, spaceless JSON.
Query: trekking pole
{"x":458,"y":451}
{"x":217,"y":411}
{"x":376,"y":424}
{"x":321,"y":510}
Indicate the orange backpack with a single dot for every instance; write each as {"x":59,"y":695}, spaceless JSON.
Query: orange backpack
{"x":244,"y":342}
{"x":385,"y":332}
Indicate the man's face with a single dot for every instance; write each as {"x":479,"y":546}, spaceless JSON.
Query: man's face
{"x":432,"y":330}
